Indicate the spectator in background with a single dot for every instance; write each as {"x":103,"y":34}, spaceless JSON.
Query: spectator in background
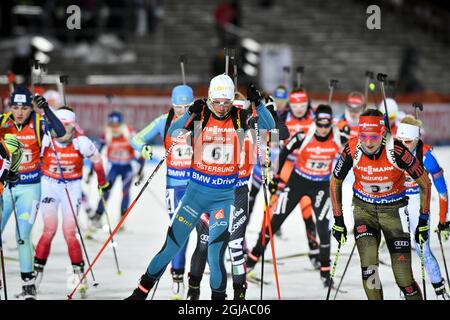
{"x":225,"y":14}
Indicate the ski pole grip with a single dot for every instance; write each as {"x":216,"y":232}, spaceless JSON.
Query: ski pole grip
{"x":381,"y":77}
{"x":64,"y":79}
{"x":418,"y":105}
{"x":183,"y":59}
{"x":333,"y":83}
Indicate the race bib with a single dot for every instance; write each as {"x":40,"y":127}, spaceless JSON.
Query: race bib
{"x":218,"y":153}
{"x":65,"y":169}
{"x":375,"y":187}
{"x":119,"y":154}
{"x":26,"y":156}
{"x":318,"y":165}
{"x":182,"y":152}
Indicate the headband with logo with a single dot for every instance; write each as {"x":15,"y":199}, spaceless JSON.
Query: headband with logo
{"x":371,"y":124}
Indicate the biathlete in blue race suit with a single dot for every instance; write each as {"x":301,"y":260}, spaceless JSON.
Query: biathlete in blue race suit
{"x":214,"y":172}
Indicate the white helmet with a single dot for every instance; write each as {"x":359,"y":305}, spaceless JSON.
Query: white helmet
{"x":53,"y":98}
{"x":221,"y":86}
{"x":392,"y":108}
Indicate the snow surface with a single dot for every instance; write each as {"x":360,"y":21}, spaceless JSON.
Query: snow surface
{"x":145,"y":232}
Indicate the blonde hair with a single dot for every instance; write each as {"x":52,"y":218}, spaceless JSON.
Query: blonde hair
{"x":410,"y":119}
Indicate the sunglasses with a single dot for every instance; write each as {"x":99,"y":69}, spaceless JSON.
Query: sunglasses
{"x":323,"y":125}
{"x":370,"y":137}
{"x":222,"y":104}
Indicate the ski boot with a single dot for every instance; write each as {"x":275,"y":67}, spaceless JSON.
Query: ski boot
{"x":326,"y":279}
{"x":96,"y":222}
{"x":439,"y":289}
{"x":29,"y":288}
{"x":251,"y":262}
{"x":279,"y":234}
{"x":144,"y":287}
{"x":177,"y":286}
{"x":218,"y":295}
{"x":239,"y":291}
{"x":313,"y":256}
{"x":39,"y":271}
{"x":78,"y":270}
{"x":194,"y":288}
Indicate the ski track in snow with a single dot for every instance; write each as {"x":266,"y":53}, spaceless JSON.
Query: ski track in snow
{"x":146,"y":227}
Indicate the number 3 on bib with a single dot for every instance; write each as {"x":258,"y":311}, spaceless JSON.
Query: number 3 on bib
{"x":318,"y":165}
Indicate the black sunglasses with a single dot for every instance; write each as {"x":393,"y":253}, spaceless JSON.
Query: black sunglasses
{"x":323,"y":125}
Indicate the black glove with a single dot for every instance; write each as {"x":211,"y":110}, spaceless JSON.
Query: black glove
{"x":12,"y":178}
{"x":346,"y":130}
{"x":40,"y":102}
{"x":421,"y":234}
{"x":197,"y":107}
{"x":253,"y":94}
{"x":270,"y":104}
{"x":340,"y":230}
{"x":444,"y":230}
{"x":276,"y":184}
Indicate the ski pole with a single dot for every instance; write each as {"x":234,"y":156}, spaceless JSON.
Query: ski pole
{"x":443,"y":256}
{"x":345,"y":270}
{"x":264,"y":226}
{"x":161,"y":162}
{"x":227,"y":60}
{"x":113,"y":244}
{"x":300,"y":70}
{"x":266,"y":207}
{"x":64,"y":79}
{"x":20,"y":241}
{"x":422,"y":273}
{"x":235,"y":71}
{"x":154,"y":290}
{"x":331,"y":86}
{"x":382,"y":78}
{"x":333,"y":271}
{"x":2,"y":257}
{"x":183,"y":61}
{"x":417,"y":106}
